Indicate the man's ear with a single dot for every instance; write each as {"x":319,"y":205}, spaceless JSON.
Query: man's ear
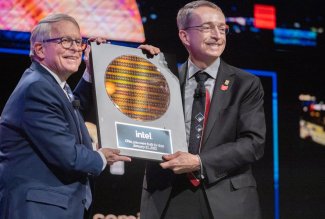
{"x":39,"y":50}
{"x":183,"y":37}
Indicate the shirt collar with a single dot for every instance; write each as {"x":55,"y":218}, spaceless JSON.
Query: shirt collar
{"x":212,"y":70}
{"x":56,"y":77}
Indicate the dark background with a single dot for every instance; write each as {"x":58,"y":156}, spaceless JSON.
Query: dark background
{"x":299,"y":70}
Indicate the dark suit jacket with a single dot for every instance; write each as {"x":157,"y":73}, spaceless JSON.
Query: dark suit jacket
{"x":43,"y":165}
{"x":233,"y":140}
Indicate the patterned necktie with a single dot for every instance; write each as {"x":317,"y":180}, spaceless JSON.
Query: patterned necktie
{"x":198,"y":113}
{"x":69,"y":92}
{"x":88,"y":199}
{"x":200,"y":110}
{"x":72,"y":101}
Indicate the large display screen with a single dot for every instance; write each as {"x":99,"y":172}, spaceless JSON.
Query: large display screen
{"x":114,"y":19}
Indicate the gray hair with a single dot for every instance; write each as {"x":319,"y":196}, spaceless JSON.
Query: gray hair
{"x":184,"y":14}
{"x":42,"y":30}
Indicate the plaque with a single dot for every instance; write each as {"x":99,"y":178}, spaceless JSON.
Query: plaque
{"x":138,"y":102}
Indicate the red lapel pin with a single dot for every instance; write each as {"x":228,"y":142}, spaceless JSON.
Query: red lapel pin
{"x":225,"y":85}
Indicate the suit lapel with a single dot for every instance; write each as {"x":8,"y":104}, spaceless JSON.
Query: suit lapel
{"x":220,"y":98}
{"x":36,"y":66}
{"x":77,"y":119}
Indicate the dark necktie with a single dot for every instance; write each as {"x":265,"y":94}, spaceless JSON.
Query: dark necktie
{"x":72,"y":100}
{"x":200,"y":110}
{"x":198,"y":113}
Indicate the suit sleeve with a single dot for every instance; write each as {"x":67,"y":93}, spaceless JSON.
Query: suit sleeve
{"x":243,"y":143}
{"x":46,"y":124}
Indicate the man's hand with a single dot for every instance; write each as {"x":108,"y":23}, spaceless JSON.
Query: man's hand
{"x":150,"y":49}
{"x":98,"y":40}
{"x":181,"y":162}
{"x":112,"y":155}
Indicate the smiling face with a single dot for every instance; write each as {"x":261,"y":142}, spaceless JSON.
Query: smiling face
{"x":204,"y":47}
{"x":61,"y":61}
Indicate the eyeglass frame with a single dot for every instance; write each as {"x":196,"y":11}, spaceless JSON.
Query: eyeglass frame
{"x":60,"y":40}
{"x":208,"y":29}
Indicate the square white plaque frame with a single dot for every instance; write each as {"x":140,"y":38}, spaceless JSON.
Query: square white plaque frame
{"x":140,"y":139}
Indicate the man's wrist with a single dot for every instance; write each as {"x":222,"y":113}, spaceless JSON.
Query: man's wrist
{"x":200,"y":171}
{"x":86,"y":76}
{"x":103,"y":158}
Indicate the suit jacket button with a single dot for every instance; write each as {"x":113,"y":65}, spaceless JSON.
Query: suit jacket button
{"x":83,"y":201}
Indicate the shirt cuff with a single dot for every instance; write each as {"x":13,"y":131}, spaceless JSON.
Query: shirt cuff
{"x":103,"y":158}
{"x":87,"y":77}
{"x":94,"y":146}
{"x":200,"y":171}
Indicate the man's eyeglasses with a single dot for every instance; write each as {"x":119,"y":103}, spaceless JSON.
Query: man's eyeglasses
{"x":67,"y":42}
{"x":209,"y":27}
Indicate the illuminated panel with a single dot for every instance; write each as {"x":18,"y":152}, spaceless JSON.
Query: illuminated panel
{"x":264,"y":16}
{"x":276,"y":170}
{"x":295,"y":37}
{"x":137,"y":88}
{"x":312,"y":119}
{"x":114,"y":19}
